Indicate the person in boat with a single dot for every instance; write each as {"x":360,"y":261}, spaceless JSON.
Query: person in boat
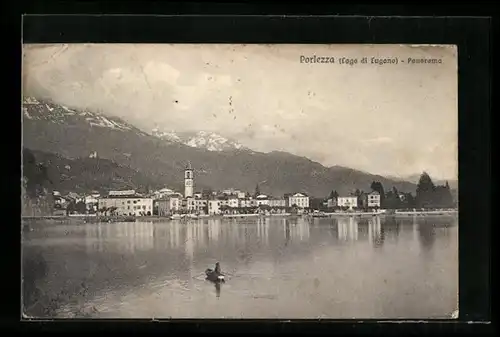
{"x":215,"y":275}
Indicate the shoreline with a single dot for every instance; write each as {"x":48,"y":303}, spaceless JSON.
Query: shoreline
{"x":57,"y":219}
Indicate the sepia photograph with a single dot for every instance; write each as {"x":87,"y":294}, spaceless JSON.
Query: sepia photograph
{"x":239,"y":181}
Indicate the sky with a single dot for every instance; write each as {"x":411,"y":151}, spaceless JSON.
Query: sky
{"x":390,"y":119}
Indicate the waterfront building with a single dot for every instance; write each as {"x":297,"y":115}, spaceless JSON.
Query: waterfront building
{"x":373,"y":199}
{"x":214,"y":207}
{"x":127,"y":203}
{"x":350,"y":201}
{"x":299,"y":200}
{"x":233,"y":201}
{"x":262,"y":199}
{"x":246,"y":203}
{"x":168,"y":205}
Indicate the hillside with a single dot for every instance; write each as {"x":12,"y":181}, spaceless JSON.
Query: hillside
{"x":74,"y":134}
{"x":87,"y":174}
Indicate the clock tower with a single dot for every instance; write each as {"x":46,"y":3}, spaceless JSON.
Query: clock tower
{"x":188,"y":181}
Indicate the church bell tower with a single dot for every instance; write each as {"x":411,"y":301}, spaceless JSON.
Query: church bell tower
{"x":188,"y":181}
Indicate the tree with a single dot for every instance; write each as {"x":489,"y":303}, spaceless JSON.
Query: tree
{"x":103,"y":210}
{"x":81,"y":207}
{"x":38,"y":182}
{"x":392,"y":200}
{"x":425,"y":191}
{"x":442,"y":197}
{"x":70,"y":207}
{"x":112,"y":210}
{"x":409,"y":201}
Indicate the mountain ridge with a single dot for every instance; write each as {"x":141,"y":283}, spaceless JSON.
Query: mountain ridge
{"x":210,"y":141}
{"x":51,"y":128}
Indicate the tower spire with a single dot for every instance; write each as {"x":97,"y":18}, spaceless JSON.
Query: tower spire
{"x":188,"y":181}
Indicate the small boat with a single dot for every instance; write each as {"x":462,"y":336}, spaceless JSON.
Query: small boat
{"x":215,"y":275}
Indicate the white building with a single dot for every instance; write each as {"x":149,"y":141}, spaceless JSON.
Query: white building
{"x":214,"y":207}
{"x":247,"y":202}
{"x":373,"y":199}
{"x":241,"y":195}
{"x":350,"y":202}
{"x":300,"y":200}
{"x":168,"y":205}
{"x":262,"y":199}
{"x":127,"y":204}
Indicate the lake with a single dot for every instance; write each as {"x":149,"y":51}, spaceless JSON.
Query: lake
{"x":275,"y":268}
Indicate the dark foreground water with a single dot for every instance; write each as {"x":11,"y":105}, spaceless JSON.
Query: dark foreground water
{"x":276,"y":268}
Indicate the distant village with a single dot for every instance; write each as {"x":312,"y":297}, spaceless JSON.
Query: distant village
{"x":167,"y":202}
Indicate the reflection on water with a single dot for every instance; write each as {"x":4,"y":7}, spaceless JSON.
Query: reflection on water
{"x":218,"y":287}
{"x":341,"y":268}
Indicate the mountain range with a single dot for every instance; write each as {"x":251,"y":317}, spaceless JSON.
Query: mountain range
{"x":159,"y":158}
{"x":210,"y":141}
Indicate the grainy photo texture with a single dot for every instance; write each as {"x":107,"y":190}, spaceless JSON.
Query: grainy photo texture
{"x":239,"y":181}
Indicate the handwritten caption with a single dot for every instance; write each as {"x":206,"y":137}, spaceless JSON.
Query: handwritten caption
{"x":378,"y":61}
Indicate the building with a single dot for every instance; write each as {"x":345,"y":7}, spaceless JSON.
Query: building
{"x":233,"y":201}
{"x":188,"y":181}
{"x":277,"y":202}
{"x":169,"y":205}
{"x":373,"y":199}
{"x":331,"y":203}
{"x":228,"y":191}
{"x":163,"y":193}
{"x":126,"y":203}
{"x":300,"y":200}
{"x":262,"y":199}
{"x":214,"y":207}
{"x":351,"y":202}
{"x":247,"y":203}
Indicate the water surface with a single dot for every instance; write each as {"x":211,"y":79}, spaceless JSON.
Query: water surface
{"x":275,"y":267}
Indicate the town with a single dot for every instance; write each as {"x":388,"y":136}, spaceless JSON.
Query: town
{"x":229,"y":202}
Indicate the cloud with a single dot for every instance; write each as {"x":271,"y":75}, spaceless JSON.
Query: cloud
{"x":367,"y":117}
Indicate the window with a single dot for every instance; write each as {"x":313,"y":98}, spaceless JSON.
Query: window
{"x":128,"y":201}
{"x":144,"y":207}
{"x":128,"y":207}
